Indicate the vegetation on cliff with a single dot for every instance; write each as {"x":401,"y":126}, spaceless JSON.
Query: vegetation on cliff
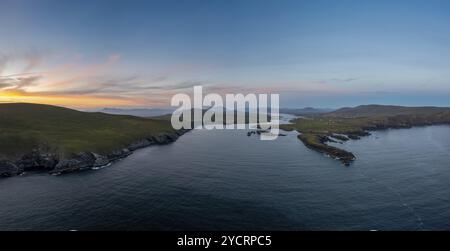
{"x":58,"y":139}
{"x":24,"y":127}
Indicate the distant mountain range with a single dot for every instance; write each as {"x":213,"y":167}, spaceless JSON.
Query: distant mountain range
{"x":305,"y":111}
{"x":386,"y":110}
{"x":156,"y":112}
{"x":149,"y":112}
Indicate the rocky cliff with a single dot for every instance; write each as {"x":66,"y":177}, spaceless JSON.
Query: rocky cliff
{"x":44,"y":159}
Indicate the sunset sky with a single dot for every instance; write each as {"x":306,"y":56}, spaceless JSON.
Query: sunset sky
{"x":93,"y":54}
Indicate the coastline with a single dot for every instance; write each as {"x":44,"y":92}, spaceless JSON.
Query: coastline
{"x":318,"y":144}
{"x":318,"y":141}
{"x":40,"y":159}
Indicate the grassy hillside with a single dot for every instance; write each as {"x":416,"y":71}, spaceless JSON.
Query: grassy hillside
{"x":24,"y":127}
{"x":386,"y":110}
{"x":370,"y":117}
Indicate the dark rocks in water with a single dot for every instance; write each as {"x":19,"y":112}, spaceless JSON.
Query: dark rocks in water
{"x":100,"y":160}
{"x":67,"y":165}
{"x":36,"y":160}
{"x":259,"y":131}
{"x":87,"y":160}
{"x":8,"y":169}
{"x":118,"y":154}
{"x":182,"y":131}
{"x":163,"y":139}
{"x":139,"y":144}
{"x":78,"y":161}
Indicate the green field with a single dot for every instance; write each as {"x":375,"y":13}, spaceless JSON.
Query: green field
{"x":357,"y":120}
{"x":24,"y":127}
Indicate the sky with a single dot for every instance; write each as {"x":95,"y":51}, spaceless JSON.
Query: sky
{"x":93,"y":54}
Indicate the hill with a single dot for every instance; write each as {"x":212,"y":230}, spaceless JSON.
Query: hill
{"x":385,"y":110}
{"x":138,"y":112}
{"x":305,"y":111}
{"x":63,"y":133}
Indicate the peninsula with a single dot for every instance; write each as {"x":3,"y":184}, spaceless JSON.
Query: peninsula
{"x":352,"y":123}
{"x":59,"y":140}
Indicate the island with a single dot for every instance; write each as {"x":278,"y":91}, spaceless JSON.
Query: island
{"x":316,"y":130}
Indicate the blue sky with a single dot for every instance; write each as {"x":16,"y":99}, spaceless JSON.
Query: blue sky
{"x":139,"y":53}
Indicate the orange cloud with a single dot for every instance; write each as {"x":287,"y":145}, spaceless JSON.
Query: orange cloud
{"x":63,"y":86}
{"x":74,"y":101}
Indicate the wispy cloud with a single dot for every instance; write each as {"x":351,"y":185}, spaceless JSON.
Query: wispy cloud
{"x":36,"y":77}
{"x":177,"y":86}
{"x":346,"y":80}
{"x":3,"y":61}
{"x":33,"y":58}
{"x":33,"y":78}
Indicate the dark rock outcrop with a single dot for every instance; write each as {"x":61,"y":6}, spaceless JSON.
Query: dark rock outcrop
{"x":37,"y":160}
{"x":118,"y":154}
{"x":139,"y":144}
{"x":8,"y":168}
{"x":259,"y":131}
{"x":100,"y":160}
{"x":163,"y":139}
{"x":77,"y":162}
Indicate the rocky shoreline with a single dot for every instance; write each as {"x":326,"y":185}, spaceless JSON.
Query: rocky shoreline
{"x":318,"y":143}
{"x":345,"y":124}
{"x":40,"y":159}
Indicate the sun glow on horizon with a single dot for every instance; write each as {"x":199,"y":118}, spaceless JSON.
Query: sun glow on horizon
{"x":72,"y":101}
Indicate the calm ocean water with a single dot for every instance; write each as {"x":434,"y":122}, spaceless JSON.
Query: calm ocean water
{"x":224,"y":180}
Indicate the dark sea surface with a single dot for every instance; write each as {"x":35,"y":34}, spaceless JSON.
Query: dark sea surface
{"x":224,"y":180}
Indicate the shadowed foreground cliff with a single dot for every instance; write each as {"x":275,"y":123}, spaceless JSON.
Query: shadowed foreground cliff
{"x":43,"y":137}
{"x":352,"y":123}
